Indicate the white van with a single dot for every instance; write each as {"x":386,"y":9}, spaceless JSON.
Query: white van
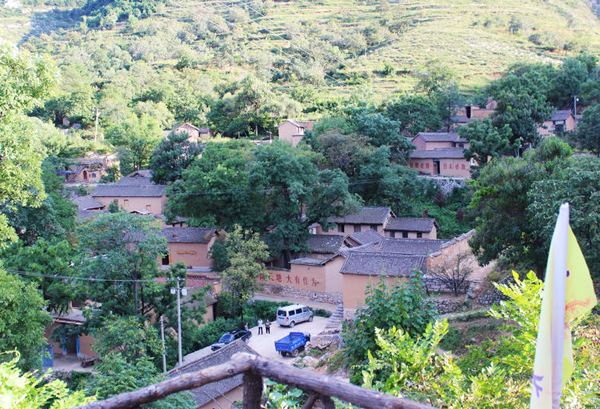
{"x":293,"y":314}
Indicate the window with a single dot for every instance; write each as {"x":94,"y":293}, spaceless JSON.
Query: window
{"x":374,"y":227}
{"x":94,"y":175}
{"x":357,"y":228}
{"x":126,"y":202}
{"x":405,"y":235}
{"x":148,"y":208}
{"x":340,"y":228}
{"x":393,"y":234}
{"x":299,"y":311}
{"x":419,"y":235}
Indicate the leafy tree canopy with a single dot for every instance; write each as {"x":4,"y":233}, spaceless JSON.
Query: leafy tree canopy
{"x":575,"y":182}
{"x":24,"y":80}
{"x":22,"y":320}
{"x":500,"y":202}
{"x":172,"y":157}
{"x":122,"y":246}
{"x":486,"y":141}
{"x":401,"y":305}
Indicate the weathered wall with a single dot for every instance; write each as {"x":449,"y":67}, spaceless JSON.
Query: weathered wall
{"x":192,"y":254}
{"x":296,"y":294}
{"x":136,"y":203}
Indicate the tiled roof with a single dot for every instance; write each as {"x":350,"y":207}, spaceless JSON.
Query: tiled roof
{"x":410,"y":224}
{"x":87,"y":203}
{"x":208,"y":392}
{"x":367,"y":215}
{"x":83,"y":215}
{"x":380,"y":263}
{"x":324,"y":243}
{"x":461,"y":119}
{"x":561,"y":115}
{"x":443,"y":153}
{"x":187,"y":124}
{"x":126,"y":190}
{"x":421,"y":247}
{"x":187,"y":234}
{"x":307,"y":261}
{"x":366,"y":237}
{"x":439,"y":136}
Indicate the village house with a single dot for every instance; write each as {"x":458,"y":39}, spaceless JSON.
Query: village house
{"x":293,"y":131}
{"x":133,"y":193}
{"x":89,"y":169}
{"x":395,"y":259}
{"x":79,"y":347}
{"x":194,"y":132}
{"x":561,"y":122}
{"x":219,"y":394}
{"x":368,"y":218}
{"x":189,"y":245}
{"x":412,"y":228}
{"x":440,"y":154}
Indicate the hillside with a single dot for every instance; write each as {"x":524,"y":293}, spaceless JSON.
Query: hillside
{"x":305,"y":50}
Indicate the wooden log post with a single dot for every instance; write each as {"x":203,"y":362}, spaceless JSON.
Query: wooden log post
{"x":326,"y":385}
{"x":253,"y":388}
{"x":181,"y":383}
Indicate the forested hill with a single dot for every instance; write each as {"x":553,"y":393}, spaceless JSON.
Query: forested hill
{"x":177,"y":57}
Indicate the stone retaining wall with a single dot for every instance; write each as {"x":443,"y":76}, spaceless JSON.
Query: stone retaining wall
{"x":316,"y":296}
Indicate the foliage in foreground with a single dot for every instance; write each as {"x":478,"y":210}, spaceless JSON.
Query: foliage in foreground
{"x":23,"y":391}
{"x":401,"y":305}
{"x":495,"y":374}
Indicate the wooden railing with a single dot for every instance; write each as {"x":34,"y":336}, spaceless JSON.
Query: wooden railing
{"x":320,"y":387}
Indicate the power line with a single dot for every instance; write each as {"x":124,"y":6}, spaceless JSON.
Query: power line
{"x":60,"y":277}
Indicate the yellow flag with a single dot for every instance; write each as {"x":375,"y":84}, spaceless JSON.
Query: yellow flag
{"x":568,"y":294}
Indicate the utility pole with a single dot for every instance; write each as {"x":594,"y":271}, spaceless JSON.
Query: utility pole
{"x":96,"y":132}
{"x":179,"y":291}
{"x":575,"y":99}
{"x":162,"y":337}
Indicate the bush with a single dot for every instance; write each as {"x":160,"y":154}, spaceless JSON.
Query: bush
{"x":402,"y":305}
{"x":322,"y":313}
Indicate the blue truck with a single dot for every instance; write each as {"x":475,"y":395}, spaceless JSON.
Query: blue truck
{"x":292,"y":344}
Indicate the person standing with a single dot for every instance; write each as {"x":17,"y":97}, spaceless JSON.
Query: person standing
{"x":267,"y":327}
{"x":246,"y":326}
{"x":260,"y":326}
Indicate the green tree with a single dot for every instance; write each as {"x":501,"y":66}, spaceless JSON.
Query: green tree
{"x":575,"y":182}
{"x":117,"y":375}
{"x":129,"y":336}
{"x":495,"y":374}
{"x":383,"y":131}
{"x":246,"y":254}
{"x":294,"y":194}
{"x":54,"y":217}
{"x":172,"y":157}
{"x":25,"y":390}
{"x":415,"y":113}
{"x":500,"y":202}
{"x":136,"y":139}
{"x":522,"y":103}
{"x":22,"y":320}
{"x":214,"y":190}
{"x":122,"y":246}
{"x":588,"y":132}
{"x":24,"y":81}
{"x":486,"y":142}
{"x":402,"y":305}
{"x":51,"y":258}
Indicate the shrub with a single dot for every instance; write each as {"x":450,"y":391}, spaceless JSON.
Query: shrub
{"x":402,"y":305}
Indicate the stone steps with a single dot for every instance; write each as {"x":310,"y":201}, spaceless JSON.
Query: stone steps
{"x":336,"y":319}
